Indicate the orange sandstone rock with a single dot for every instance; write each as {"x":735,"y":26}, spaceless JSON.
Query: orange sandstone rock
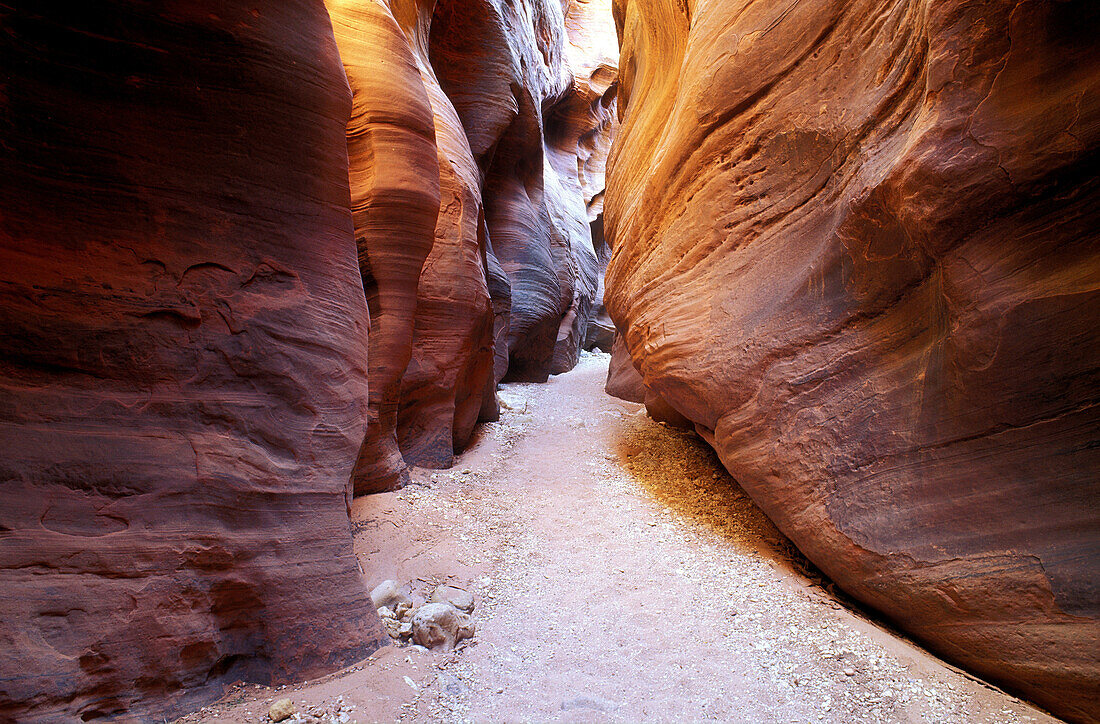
{"x":448,"y":319}
{"x":855,"y":243}
{"x":395,"y":193}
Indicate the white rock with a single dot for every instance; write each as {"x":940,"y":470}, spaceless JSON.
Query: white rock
{"x":440,"y":624}
{"x":388,"y":594}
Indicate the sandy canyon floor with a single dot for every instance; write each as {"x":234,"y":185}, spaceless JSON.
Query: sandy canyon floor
{"x":620,"y":575}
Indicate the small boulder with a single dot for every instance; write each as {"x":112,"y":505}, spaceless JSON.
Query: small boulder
{"x":280,"y":710}
{"x":440,"y":625}
{"x":388,"y":594}
{"x":460,"y":599}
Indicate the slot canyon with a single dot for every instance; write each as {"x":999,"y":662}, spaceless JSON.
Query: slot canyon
{"x":550,"y":360}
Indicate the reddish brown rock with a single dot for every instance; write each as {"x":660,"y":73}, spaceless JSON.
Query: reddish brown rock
{"x":593,"y":55}
{"x":182,"y":355}
{"x":623,"y":380}
{"x":447,"y":317}
{"x":578,"y":139}
{"x":503,"y":67}
{"x":855,"y":243}
{"x":451,"y":369}
{"x":395,"y":198}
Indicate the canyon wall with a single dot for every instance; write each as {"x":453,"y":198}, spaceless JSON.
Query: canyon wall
{"x":477,"y":144}
{"x":855,"y":243}
{"x":183,"y":357}
{"x":219,"y":220}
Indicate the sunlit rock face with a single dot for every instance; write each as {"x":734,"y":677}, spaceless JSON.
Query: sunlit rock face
{"x":182,"y":355}
{"x":451,"y":369}
{"x":395,"y":197}
{"x":855,"y":243}
{"x":417,"y":201}
{"x":477,"y":146}
{"x":579,"y":132}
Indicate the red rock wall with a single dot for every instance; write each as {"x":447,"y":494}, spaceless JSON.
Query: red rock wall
{"x":579,"y":132}
{"x":855,"y":243}
{"x":484,"y":263}
{"x":182,"y":356}
{"x":503,"y":66}
{"x":395,"y":192}
{"x":452,"y":364}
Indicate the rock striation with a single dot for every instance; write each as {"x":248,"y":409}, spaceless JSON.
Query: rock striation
{"x":855,"y":243}
{"x":254,"y":260}
{"x":183,"y":357}
{"x":530,"y":127}
{"x":395,"y":197}
{"x":477,"y":146}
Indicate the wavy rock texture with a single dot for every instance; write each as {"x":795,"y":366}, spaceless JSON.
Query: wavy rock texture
{"x":451,"y":370}
{"x":579,"y":130}
{"x":593,"y":56}
{"x":503,"y":66}
{"x":395,"y":197}
{"x":449,"y":318}
{"x":182,"y":356}
{"x":855,"y":243}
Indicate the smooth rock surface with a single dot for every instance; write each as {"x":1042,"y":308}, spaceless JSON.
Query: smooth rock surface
{"x":503,"y":66}
{"x":451,"y":369}
{"x":183,"y":347}
{"x":389,"y":595}
{"x":855,"y":243}
{"x":477,"y":147}
{"x":460,"y":598}
{"x":623,"y":379}
{"x":395,"y":197}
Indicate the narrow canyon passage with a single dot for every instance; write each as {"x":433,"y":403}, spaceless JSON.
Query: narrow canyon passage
{"x":619,"y":575}
{"x":280,"y":284}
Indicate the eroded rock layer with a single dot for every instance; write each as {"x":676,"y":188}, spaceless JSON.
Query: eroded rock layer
{"x":183,"y":356}
{"x":451,"y":369}
{"x":503,"y":66}
{"x":477,"y":146}
{"x":395,"y":193}
{"x":855,"y":243}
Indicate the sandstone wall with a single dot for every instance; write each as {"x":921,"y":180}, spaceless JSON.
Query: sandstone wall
{"x":183,"y":356}
{"x":482,"y":266}
{"x":503,"y":66}
{"x":855,"y":243}
{"x":184,"y":350}
{"x":395,"y":193}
